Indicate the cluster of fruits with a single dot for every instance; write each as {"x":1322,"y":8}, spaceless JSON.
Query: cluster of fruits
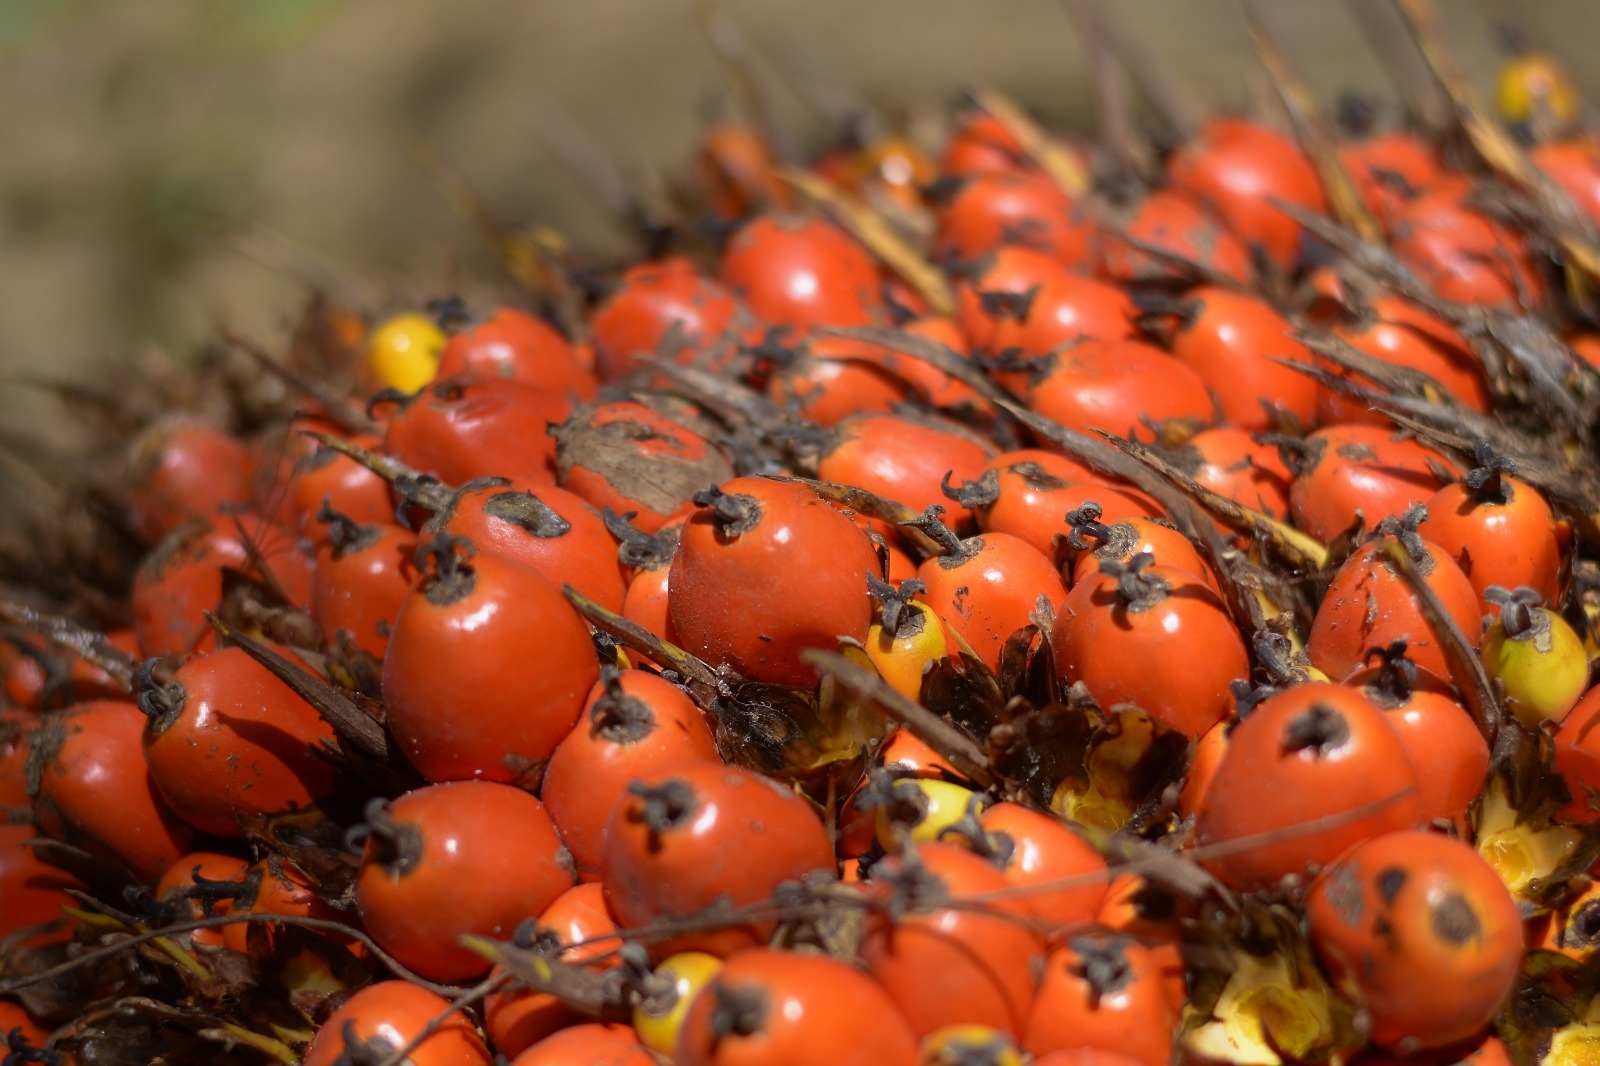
{"x":948,"y":610}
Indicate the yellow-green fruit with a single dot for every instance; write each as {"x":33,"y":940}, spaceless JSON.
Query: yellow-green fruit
{"x":1532,"y":84}
{"x":1543,"y":669}
{"x":960,"y":1045}
{"x":938,"y":805}
{"x":658,"y":1017}
{"x":901,"y":656}
{"x":403,"y":351}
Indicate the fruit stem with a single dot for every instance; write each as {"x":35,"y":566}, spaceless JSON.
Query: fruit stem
{"x":397,"y":846}
{"x":897,"y":618}
{"x":345,"y":534}
{"x":1519,"y":616}
{"x":1486,"y":481}
{"x":1137,"y":590}
{"x":637,"y":549}
{"x":1396,"y":679}
{"x":161,"y":701}
{"x":973,"y":494}
{"x":1403,"y":528}
{"x":443,"y":560}
{"x":951,"y":549}
{"x":665,"y":805}
{"x":734,"y":513}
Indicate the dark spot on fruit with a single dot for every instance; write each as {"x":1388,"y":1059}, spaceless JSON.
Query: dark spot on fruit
{"x":1318,"y":729}
{"x":1355,"y":453}
{"x":1583,"y":926}
{"x":1390,"y":881}
{"x":1454,"y":920}
{"x":1342,"y":890}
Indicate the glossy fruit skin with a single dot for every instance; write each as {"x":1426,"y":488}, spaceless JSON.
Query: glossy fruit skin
{"x":981,"y":144}
{"x":1171,"y":221}
{"x":281,"y":889}
{"x":1425,"y":930}
{"x":546,"y":528}
{"x":588,"y":1044}
{"x":650,"y":299}
{"x":1438,"y":733}
{"x":1405,"y":344}
{"x":1044,"y":851}
{"x":1231,"y":340}
{"x":903,"y":751}
{"x":181,"y":469}
{"x":1119,"y":386}
{"x":801,"y":272}
{"x":659,"y":1020}
{"x":1121,"y":1007}
{"x":396,"y":1012}
{"x":827,"y":379}
{"x":792,"y":568}
{"x":935,"y":387}
{"x":518,"y":1019}
{"x":1360,"y":469}
{"x":454,"y":875}
{"x":403,"y":351}
{"x":1173,"y":652}
{"x":807,"y":1009}
{"x":893,"y":168}
{"x":486,"y":671}
{"x":738,"y":170}
{"x":986,"y":590}
{"x":183,"y":578}
{"x":1463,"y":254}
{"x":1239,"y":168}
{"x":647,"y":722}
{"x":1577,"y":747}
{"x":903,"y":458}
{"x":1315,"y":750}
{"x":1019,"y":298}
{"x":324,"y":476}
{"x":1131,"y":537}
{"x":1510,"y":542}
{"x":1020,"y":208}
{"x":95,"y":789}
{"x":466,"y":427}
{"x":1203,"y":761}
{"x":31,"y":891}
{"x":179,"y":880}
{"x":1033,"y":490}
{"x":729,"y":837}
{"x":1389,"y":169}
{"x":948,"y":965}
{"x":1228,"y":461}
{"x":1574,"y":166}
{"x":1369,"y":605}
{"x":231,"y":740}
{"x":360,"y":583}
{"x":644,"y":458}
{"x":517,"y":346}
{"x":648,"y":600}
{"x":1153,"y":916}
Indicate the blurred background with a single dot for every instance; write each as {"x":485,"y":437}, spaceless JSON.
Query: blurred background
{"x":169,"y":167}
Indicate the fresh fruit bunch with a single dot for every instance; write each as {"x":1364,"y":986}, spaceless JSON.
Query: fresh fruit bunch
{"x":971,"y":596}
